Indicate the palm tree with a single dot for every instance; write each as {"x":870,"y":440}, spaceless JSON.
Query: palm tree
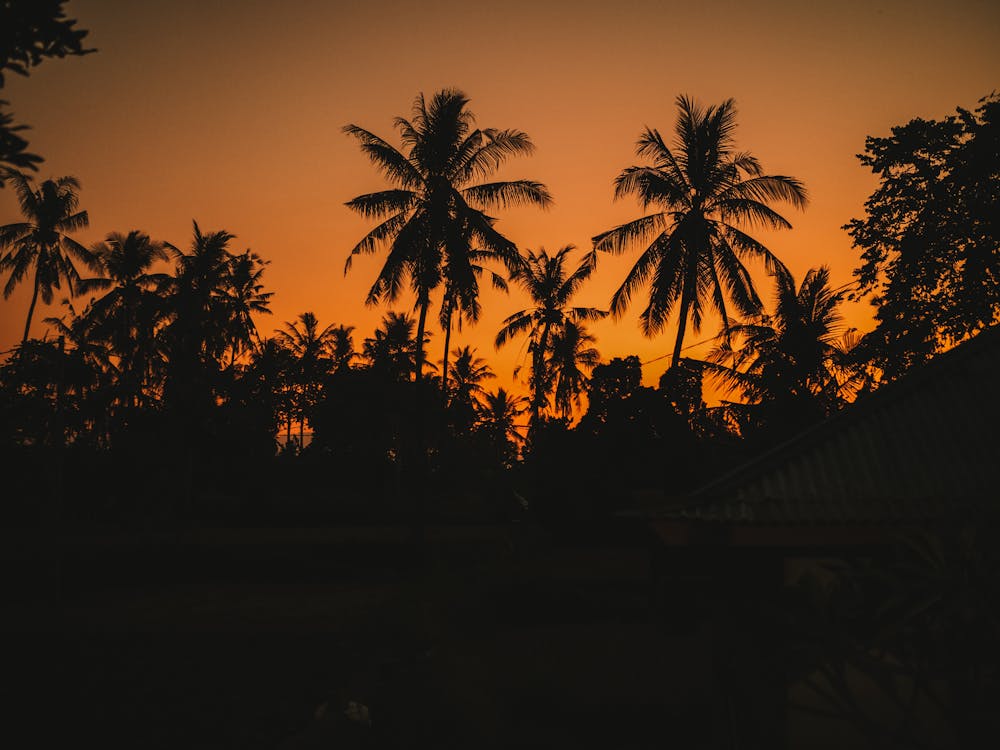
{"x":42,"y":242}
{"x":342,"y":347}
{"x":702,"y":190}
{"x":244,"y":295}
{"x":310,"y":347}
{"x":434,"y":215}
{"x":393,"y":348}
{"x":466,"y":378}
{"x":550,"y":286}
{"x":571,"y":354}
{"x":498,"y":414}
{"x":795,"y":356}
{"x":461,"y":300}
{"x":127,"y":314}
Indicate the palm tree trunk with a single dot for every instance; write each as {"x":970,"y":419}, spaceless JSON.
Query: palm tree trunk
{"x":681,"y":325}
{"x":418,"y":366}
{"x":537,"y":376}
{"x":447,"y":343}
{"x":31,"y":310}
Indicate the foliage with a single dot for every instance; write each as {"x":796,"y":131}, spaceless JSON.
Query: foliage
{"x":929,"y":239}
{"x":435,"y":216}
{"x":42,"y":244}
{"x":793,"y":366}
{"x":550,"y":286}
{"x":32,"y":30}
{"x":703,"y":190}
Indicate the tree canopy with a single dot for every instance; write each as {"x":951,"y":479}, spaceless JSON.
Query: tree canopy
{"x":930,"y":257}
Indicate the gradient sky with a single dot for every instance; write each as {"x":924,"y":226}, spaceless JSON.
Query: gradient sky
{"x":230,"y":113}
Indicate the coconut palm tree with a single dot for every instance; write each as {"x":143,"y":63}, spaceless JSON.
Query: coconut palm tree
{"x":128,"y":313}
{"x":310,"y":348}
{"x":243,"y":294}
{"x":550,"y":286}
{"x":795,"y":357}
{"x":466,"y":378}
{"x":434,"y":215}
{"x":572,"y":357}
{"x":461,"y":300}
{"x":498,"y":414}
{"x":42,"y":242}
{"x":703,"y":191}
{"x":342,"y":347}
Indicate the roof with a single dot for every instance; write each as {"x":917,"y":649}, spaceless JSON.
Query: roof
{"x":921,"y":448}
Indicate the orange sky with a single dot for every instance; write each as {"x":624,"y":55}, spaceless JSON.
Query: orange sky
{"x":230,"y":113}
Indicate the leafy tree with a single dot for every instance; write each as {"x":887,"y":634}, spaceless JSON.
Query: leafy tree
{"x":435,"y":215}
{"x":128,"y":315}
{"x":572,"y":355}
{"x":929,"y":239}
{"x":32,"y":30}
{"x":42,"y":243}
{"x":310,"y":349}
{"x":498,"y":414}
{"x":244,"y":295}
{"x":550,"y":286}
{"x":794,"y":366}
{"x":461,"y":300}
{"x":465,"y":387}
{"x":392,"y":350}
{"x":342,"y":347}
{"x":704,"y":191}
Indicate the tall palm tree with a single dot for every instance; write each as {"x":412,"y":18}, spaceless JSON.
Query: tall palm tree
{"x":550,"y":286}
{"x":461,"y":300}
{"x":702,"y":191}
{"x":467,"y":376}
{"x":42,"y":242}
{"x":342,"y":347}
{"x":310,"y":348}
{"x":128,"y":313}
{"x":434,"y":215}
{"x":393,"y":348}
{"x":498,"y":415}
{"x":796,"y":355}
{"x":572,"y":356}
{"x":244,"y":295}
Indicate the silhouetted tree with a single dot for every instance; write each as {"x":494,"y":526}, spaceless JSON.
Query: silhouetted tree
{"x":128,"y":315}
{"x":465,"y":387}
{"x":550,"y":286}
{"x":929,"y":239}
{"x":243,"y":291}
{"x":32,"y":30}
{"x":703,"y":191}
{"x":572,"y":356}
{"x":41,"y":244}
{"x":498,"y":414}
{"x":342,"y":347}
{"x":310,"y":348}
{"x":435,"y":216}
{"x":792,"y":363}
{"x":392,"y":349}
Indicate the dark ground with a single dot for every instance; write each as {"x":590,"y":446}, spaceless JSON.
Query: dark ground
{"x":234,"y":639}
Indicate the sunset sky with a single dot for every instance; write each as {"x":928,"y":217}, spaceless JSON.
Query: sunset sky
{"x":230,"y":113}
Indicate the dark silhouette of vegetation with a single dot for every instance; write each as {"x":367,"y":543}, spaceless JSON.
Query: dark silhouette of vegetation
{"x":794,"y":366}
{"x":41,"y":245}
{"x":31,"y":31}
{"x":930,"y":257}
{"x":550,"y":285}
{"x":703,"y":190}
{"x":435,"y":218}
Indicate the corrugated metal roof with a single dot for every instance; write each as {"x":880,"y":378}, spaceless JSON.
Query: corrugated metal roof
{"x":919,"y":449}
